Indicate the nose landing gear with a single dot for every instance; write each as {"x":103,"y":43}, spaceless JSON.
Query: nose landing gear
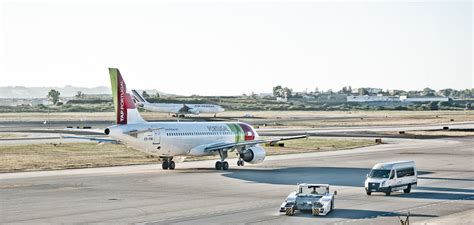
{"x":168,"y":163}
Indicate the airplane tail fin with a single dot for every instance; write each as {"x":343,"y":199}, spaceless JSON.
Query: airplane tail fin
{"x":138,"y":97}
{"x":125,"y":109}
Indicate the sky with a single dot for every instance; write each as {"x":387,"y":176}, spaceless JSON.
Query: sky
{"x":235,"y":47}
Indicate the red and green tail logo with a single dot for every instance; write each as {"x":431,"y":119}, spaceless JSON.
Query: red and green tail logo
{"x":122,"y":100}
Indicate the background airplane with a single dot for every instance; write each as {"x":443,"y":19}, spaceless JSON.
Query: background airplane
{"x":179,"y":139}
{"x":177,"y":109}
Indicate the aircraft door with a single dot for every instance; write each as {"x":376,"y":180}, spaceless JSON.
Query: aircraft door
{"x":156,"y":137}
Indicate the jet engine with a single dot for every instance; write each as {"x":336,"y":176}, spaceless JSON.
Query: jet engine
{"x":255,"y":154}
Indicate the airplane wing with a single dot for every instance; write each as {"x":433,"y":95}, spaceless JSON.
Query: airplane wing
{"x":229,"y":146}
{"x":100,"y":140}
{"x":135,"y":132}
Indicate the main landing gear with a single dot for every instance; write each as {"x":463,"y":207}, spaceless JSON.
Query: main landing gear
{"x":168,"y":163}
{"x":222,"y":164}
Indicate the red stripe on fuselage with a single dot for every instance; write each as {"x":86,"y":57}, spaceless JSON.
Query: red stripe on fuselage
{"x":248,"y":131}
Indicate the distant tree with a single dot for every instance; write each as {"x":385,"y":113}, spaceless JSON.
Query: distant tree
{"x":346,"y":90}
{"x":363,"y":91}
{"x":428,"y":92}
{"x":445,"y":92}
{"x":287,"y":92}
{"x":157,"y":95}
{"x":433,"y":106}
{"x":343,"y":90}
{"x":413,"y":93}
{"x":41,"y":106}
{"x":467,"y":93}
{"x":316,"y":90}
{"x":397,"y":92}
{"x":253,"y":95}
{"x":145,"y":95}
{"x":79,"y":94}
{"x":278,"y":91}
{"x":444,"y":104}
{"x":53,"y":96}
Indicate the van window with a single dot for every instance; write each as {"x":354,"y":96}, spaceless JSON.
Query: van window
{"x":405,"y":172}
{"x":379,"y":173}
{"x":392,"y":174}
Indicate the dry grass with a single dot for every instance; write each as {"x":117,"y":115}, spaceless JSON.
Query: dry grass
{"x":10,"y":135}
{"x":83,"y":155}
{"x":437,"y":133}
{"x":71,"y":155}
{"x":68,"y":116}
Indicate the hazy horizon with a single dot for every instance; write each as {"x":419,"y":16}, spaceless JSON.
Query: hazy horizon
{"x":232,"y":47}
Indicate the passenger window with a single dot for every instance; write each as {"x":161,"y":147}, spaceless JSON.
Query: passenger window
{"x":400,"y":173}
{"x":392,"y":174}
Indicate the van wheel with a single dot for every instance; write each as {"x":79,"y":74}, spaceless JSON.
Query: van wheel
{"x":407,"y":190}
{"x":368,"y":192}
{"x":389,"y":191}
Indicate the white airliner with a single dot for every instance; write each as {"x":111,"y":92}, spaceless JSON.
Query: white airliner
{"x":180,"y":139}
{"x":177,"y":109}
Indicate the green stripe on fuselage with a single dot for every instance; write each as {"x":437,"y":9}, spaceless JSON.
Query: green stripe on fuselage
{"x":238,"y":132}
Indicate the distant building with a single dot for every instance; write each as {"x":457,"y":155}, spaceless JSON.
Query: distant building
{"x":402,"y":99}
{"x":369,"y":90}
{"x":424,"y":99}
{"x":280,"y":99}
{"x":377,"y":98}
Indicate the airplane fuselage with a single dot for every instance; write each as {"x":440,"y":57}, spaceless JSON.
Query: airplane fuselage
{"x":178,"y":108}
{"x":168,"y":139}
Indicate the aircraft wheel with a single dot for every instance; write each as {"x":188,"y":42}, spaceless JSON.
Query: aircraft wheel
{"x":165,"y":165}
{"x":368,"y":192}
{"x":172,"y":165}
{"x":225,"y":165}
{"x":218,"y":165}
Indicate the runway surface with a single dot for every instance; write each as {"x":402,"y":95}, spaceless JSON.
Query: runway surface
{"x":197,"y":194}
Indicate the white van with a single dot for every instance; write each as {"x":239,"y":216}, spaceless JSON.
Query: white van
{"x":391,"y":176}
